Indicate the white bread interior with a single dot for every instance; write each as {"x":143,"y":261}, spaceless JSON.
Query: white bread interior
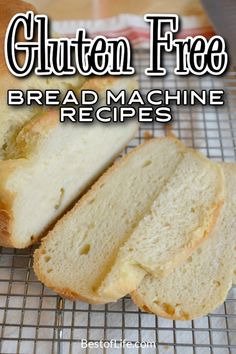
{"x":201,"y":283}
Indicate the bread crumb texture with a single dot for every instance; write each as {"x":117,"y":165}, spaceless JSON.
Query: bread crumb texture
{"x":89,"y":236}
{"x":180,"y":218}
{"x":202,"y":282}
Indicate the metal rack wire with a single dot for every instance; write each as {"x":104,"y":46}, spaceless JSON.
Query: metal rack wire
{"x":35,"y":320}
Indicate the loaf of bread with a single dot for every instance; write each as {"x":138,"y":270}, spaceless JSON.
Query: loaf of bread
{"x":180,"y":218}
{"x":78,"y":253}
{"x":201,"y":284}
{"x":45,"y":165}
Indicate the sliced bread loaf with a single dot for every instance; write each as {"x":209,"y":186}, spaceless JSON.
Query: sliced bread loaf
{"x":77,"y":254}
{"x":180,"y":218}
{"x":199,"y":285}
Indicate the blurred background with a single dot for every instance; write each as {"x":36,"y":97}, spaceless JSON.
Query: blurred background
{"x":95,"y":9}
{"x":222,"y":14}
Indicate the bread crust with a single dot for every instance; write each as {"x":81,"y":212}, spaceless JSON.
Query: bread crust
{"x":159,"y":309}
{"x":6,"y":204}
{"x":166,"y":311}
{"x":66,"y":292}
{"x":27,"y":140}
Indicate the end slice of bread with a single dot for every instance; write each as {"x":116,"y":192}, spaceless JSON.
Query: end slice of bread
{"x":180,"y":218}
{"x":200,"y":284}
{"x":77,"y":254}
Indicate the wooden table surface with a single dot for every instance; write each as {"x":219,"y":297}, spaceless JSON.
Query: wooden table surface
{"x":93,"y":9}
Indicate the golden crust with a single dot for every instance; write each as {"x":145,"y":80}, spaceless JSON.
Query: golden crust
{"x":62,"y":291}
{"x":66,"y":292}
{"x":6,"y":203}
{"x":29,"y":136}
{"x":5,"y":226}
{"x":45,"y":120}
{"x":159,"y":309}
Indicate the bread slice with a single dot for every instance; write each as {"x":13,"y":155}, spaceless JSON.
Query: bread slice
{"x":180,"y":218}
{"x":199,"y":285}
{"x":77,"y":254}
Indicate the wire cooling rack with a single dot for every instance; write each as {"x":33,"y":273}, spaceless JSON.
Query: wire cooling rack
{"x":35,"y":320}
